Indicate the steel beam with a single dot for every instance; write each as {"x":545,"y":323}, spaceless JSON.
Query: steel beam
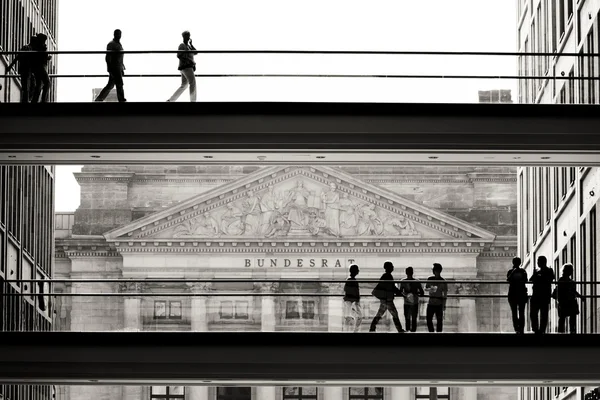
{"x":213,"y":358}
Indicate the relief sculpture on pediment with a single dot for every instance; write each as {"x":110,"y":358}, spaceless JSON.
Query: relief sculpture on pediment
{"x":298,"y":209}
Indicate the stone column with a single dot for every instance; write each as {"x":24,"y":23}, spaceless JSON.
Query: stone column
{"x":401,"y":393}
{"x":131,"y":306}
{"x":198,"y":312}
{"x":469,"y":393}
{"x":335,"y":306}
{"x":268,"y":318}
{"x":198,"y":392}
{"x":467,"y":313}
{"x":333,"y":393}
{"x":132,"y":393}
{"x":266,"y":392}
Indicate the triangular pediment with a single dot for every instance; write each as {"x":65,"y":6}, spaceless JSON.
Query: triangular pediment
{"x":295,"y":203}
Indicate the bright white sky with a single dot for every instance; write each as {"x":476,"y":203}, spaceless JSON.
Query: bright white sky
{"x":424,"y":25}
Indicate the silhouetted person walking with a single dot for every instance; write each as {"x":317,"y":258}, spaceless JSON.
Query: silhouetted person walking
{"x":517,"y":294}
{"x":566,"y":294}
{"x":385,"y":292}
{"x":187,"y":67}
{"x":24,"y":70}
{"x":437,"y":299}
{"x":39,"y":68}
{"x":115,"y":68}
{"x":542,"y":279}
{"x":411,"y":292}
{"x":353,"y":312}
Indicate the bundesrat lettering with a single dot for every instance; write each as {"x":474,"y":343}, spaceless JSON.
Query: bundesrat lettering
{"x":296,"y":262}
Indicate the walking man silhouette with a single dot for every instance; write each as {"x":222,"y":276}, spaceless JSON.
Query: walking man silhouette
{"x":115,"y":68}
{"x":187,"y":67}
{"x":385,"y":292}
{"x":542,"y":279}
{"x":517,"y":294}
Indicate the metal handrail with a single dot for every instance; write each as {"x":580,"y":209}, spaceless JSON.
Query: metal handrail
{"x":243,"y":294}
{"x":238,"y":280}
{"x":516,"y":77}
{"x":331,"y":52}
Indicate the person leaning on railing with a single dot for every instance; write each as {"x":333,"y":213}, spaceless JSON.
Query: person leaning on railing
{"x":24,"y":61}
{"x":517,"y":294}
{"x":39,"y":68}
{"x":566,"y":294}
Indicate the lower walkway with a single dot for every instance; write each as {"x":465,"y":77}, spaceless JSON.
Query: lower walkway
{"x":320,"y":358}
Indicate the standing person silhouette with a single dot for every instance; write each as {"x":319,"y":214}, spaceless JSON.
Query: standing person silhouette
{"x":411,"y":292}
{"x":39,"y":69}
{"x":385,"y":292}
{"x":517,"y":294}
{"x":566,"y":295}
{"x":542,"y":279}
{"x":353,"y":312}
{"x":115,"y":68}
{"x":24,"y":70}
{"x":437,"y":299}
{"x":187,"y":67}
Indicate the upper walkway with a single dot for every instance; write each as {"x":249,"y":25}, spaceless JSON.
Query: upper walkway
{"x":299,"y":133}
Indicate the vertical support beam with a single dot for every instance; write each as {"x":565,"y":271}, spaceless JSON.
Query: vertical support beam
{"x":197,"y":392}
{"x":266,"y":392}
{"x":335,"y":306}
{"x":467,"y":316}
{"x":401,"y":393}
{"x":333,"y":393}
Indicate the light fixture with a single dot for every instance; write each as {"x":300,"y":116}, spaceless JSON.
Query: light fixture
{"x":433,"y":157}
{"x":38,"y":156}
{"x":517,"y":158}
{"x":95,"y":156}
{"x":545,"y":158}
{"x":12,"y":156}
{"x":208,"y":156}
{"x":320,"y":156}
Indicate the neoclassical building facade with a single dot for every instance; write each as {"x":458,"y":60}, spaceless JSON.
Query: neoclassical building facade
{"x":279,"y":223}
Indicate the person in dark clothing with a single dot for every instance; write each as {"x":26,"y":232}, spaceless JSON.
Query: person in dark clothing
{"x":115,"y":68}
{"x":39,"y":68}
{"x":385,"y":292}
{"x":566,"y":295}
{"x":24,"y":70}
{"x":187,"y":67}
{"x":542,"y":279}
{"x":517,"y":294}
{"x":353,"y":311}
{"x":411,"y":292}
{"x":437,"y":299}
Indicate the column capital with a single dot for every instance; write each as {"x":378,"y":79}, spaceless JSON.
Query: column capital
{"x":266,"y":287}
{"x":466,"y":288}
{"x":200,"y":287}
{"x":131,"y":287}
{"x":333,"y":287}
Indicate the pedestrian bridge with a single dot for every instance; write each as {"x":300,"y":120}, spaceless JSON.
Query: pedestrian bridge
{"x":257,"y":358}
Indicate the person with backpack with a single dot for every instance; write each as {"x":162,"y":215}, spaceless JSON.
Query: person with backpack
{"x":187,"y":68}
{"x":353,"y":312}
{"x":566,"y":294}
{"x":385,"y":292}
{"x":438,"y":292}
{"x":517,"y":294}
{"x":411,"y":292}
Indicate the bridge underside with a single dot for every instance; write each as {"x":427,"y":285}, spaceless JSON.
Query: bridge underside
{"x":299,"y":133}
{"x":223,"y":358}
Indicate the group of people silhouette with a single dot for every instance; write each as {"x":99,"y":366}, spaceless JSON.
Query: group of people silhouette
{"x":32,"y":68}
{"x":386,"y":290}
{"x":411,"y":290}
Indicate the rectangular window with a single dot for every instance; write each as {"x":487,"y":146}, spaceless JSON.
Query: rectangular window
{"x":299,"y":393}
{"x":583,"y":289}
{"x":226,"y":311}
{"x":167,"y":392}
{"x":561,"y":19}
{"x":569,"y":9}
{"x":548,"y":196}
{"x":234,"y":393}
{"x":304,"y":309}
{"x":175,"y":309}
{"x":426,"y":392}
{"x":553,"y":26}
{"x":364,"y":393}
{"x":593,"y":271}
{"x":160,"y":309}
{"x":563,"y":186}
{"x":241,"y":310}
{"x":556,"y":188}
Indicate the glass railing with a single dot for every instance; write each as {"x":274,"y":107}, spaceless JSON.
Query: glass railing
{"x":285,"y":305}
{"x":322,"y":76}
